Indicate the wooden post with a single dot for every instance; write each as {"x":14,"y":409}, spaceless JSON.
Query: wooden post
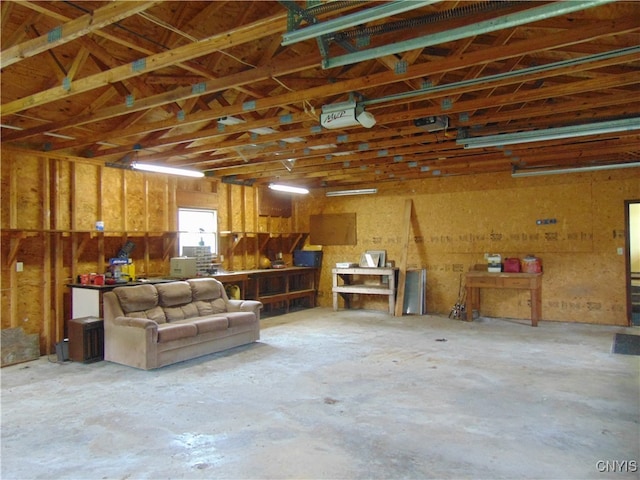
{"x":402,"y":267}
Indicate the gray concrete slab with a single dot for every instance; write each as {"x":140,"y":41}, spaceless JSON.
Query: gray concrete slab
{"x":349,"y":394}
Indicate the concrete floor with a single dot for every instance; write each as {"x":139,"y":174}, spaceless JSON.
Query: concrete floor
{"x":345,"y":395}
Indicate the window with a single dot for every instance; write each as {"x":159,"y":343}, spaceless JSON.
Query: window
{"x":198,"y":228}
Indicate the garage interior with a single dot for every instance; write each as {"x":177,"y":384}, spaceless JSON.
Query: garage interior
{"x":441,"y":133}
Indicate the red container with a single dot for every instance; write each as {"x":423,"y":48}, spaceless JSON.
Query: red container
{"x":512,"y":265}
{"x":99,"y":280}
{"x":531,"y":264}
{"x":84,"y":279}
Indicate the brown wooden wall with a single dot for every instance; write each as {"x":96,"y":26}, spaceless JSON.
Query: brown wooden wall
{"x":50,"y":206}
{"x":456,"y":220}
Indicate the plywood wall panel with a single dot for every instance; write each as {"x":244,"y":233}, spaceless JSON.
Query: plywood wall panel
{"x":112,"y":207}
{"x":237,"y":211}
{"x":157,"y":203}
{"x":5,"y":188}
{"x":457,"y":220}
{"x":62,"y":191}
{"x":85,"y":184}
{"x":29,"y":193}
{"x":29,"y":302}
{"x":135,"y":203}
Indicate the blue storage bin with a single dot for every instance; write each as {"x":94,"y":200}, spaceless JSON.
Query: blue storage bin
{"x":307,"y":258}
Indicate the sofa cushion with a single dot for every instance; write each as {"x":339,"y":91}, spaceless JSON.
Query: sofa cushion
{"x":211,"y":324}
{"x":156,"y":314}
{"x":175,"y":331}
{"x":137,"y":298}
{"x":206,"y":289}
{"x":210,"y":307}
{"x":237,"y":319}
{"x":173,"y":294}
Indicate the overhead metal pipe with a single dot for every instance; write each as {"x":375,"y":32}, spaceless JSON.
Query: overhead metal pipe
{"x":572,"y":62}
{"x":358,"y":18}
{"x":532,"y":15}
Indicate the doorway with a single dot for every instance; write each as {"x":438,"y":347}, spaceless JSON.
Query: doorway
{"x":632,"y":218}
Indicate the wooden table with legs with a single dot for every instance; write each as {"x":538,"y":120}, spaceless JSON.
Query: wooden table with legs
{"x":475,"y":280}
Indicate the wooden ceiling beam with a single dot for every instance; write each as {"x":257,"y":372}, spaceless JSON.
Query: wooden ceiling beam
{"x":463,"y":61}
{"x":111,"y":13}
{"x":154,"y":62}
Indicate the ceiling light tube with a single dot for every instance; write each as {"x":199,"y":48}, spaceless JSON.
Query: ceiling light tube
{"x":358,"y":18}
{"x":10,"y":127}
{"x":571,"y":131}
{"x":592,"y":168}
{"x":147,"y":167}
{"x":288,"y":188}
{"x":359,"y":191}
{"x":59,"y":135}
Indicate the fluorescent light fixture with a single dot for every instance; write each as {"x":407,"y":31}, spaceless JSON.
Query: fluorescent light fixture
{"x":359,"y":191}
{"x":147,"y":167}
{"x":263,"y":130}
{"x":323,"y":147}
{"x":571,"y":131}
{"x":230,"y":121}
{"x":293,"y":140}
{"x":59,"y":135}
{"x":591,"y":168}
{"x":288,"y":188}
{"x":10,"y":127}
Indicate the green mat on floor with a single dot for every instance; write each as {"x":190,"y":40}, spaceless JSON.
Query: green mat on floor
{"x":626,"y":344}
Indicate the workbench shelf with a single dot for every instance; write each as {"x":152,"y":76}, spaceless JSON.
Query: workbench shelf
{"x":283,"y":288}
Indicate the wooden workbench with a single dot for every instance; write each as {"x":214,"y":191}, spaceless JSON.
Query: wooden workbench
{"x":385,"y":286}
{"x":475,"y":280}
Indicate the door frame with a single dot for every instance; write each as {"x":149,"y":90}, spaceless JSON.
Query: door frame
{"x":627,"y":244}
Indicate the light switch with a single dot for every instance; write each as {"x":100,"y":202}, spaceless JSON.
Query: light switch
{"x":620,"y":250}
{"x":19,"y":266}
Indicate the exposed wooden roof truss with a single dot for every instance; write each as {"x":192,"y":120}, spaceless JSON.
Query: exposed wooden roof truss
{"x":118,"y":82}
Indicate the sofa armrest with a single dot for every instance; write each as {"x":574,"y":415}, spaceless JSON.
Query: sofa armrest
{"x":244,"y":306}
{"x":131,"y":341}
{"x":135,"y":322}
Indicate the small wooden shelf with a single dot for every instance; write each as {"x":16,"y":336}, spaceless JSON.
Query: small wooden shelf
{"x":349,"y":287}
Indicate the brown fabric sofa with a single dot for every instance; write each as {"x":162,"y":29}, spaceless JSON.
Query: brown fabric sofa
{"x":150,"y":326}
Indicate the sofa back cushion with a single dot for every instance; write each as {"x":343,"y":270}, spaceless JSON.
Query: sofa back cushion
{"x":173,"y":294}
{"x":175,"y":299}
{"x":206,"y":288}
{"x":140,"y":301}
{"x":208,"y":295}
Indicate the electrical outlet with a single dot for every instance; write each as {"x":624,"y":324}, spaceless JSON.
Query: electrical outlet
{"x":620,"y":251}
{"x":19,"y":266}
